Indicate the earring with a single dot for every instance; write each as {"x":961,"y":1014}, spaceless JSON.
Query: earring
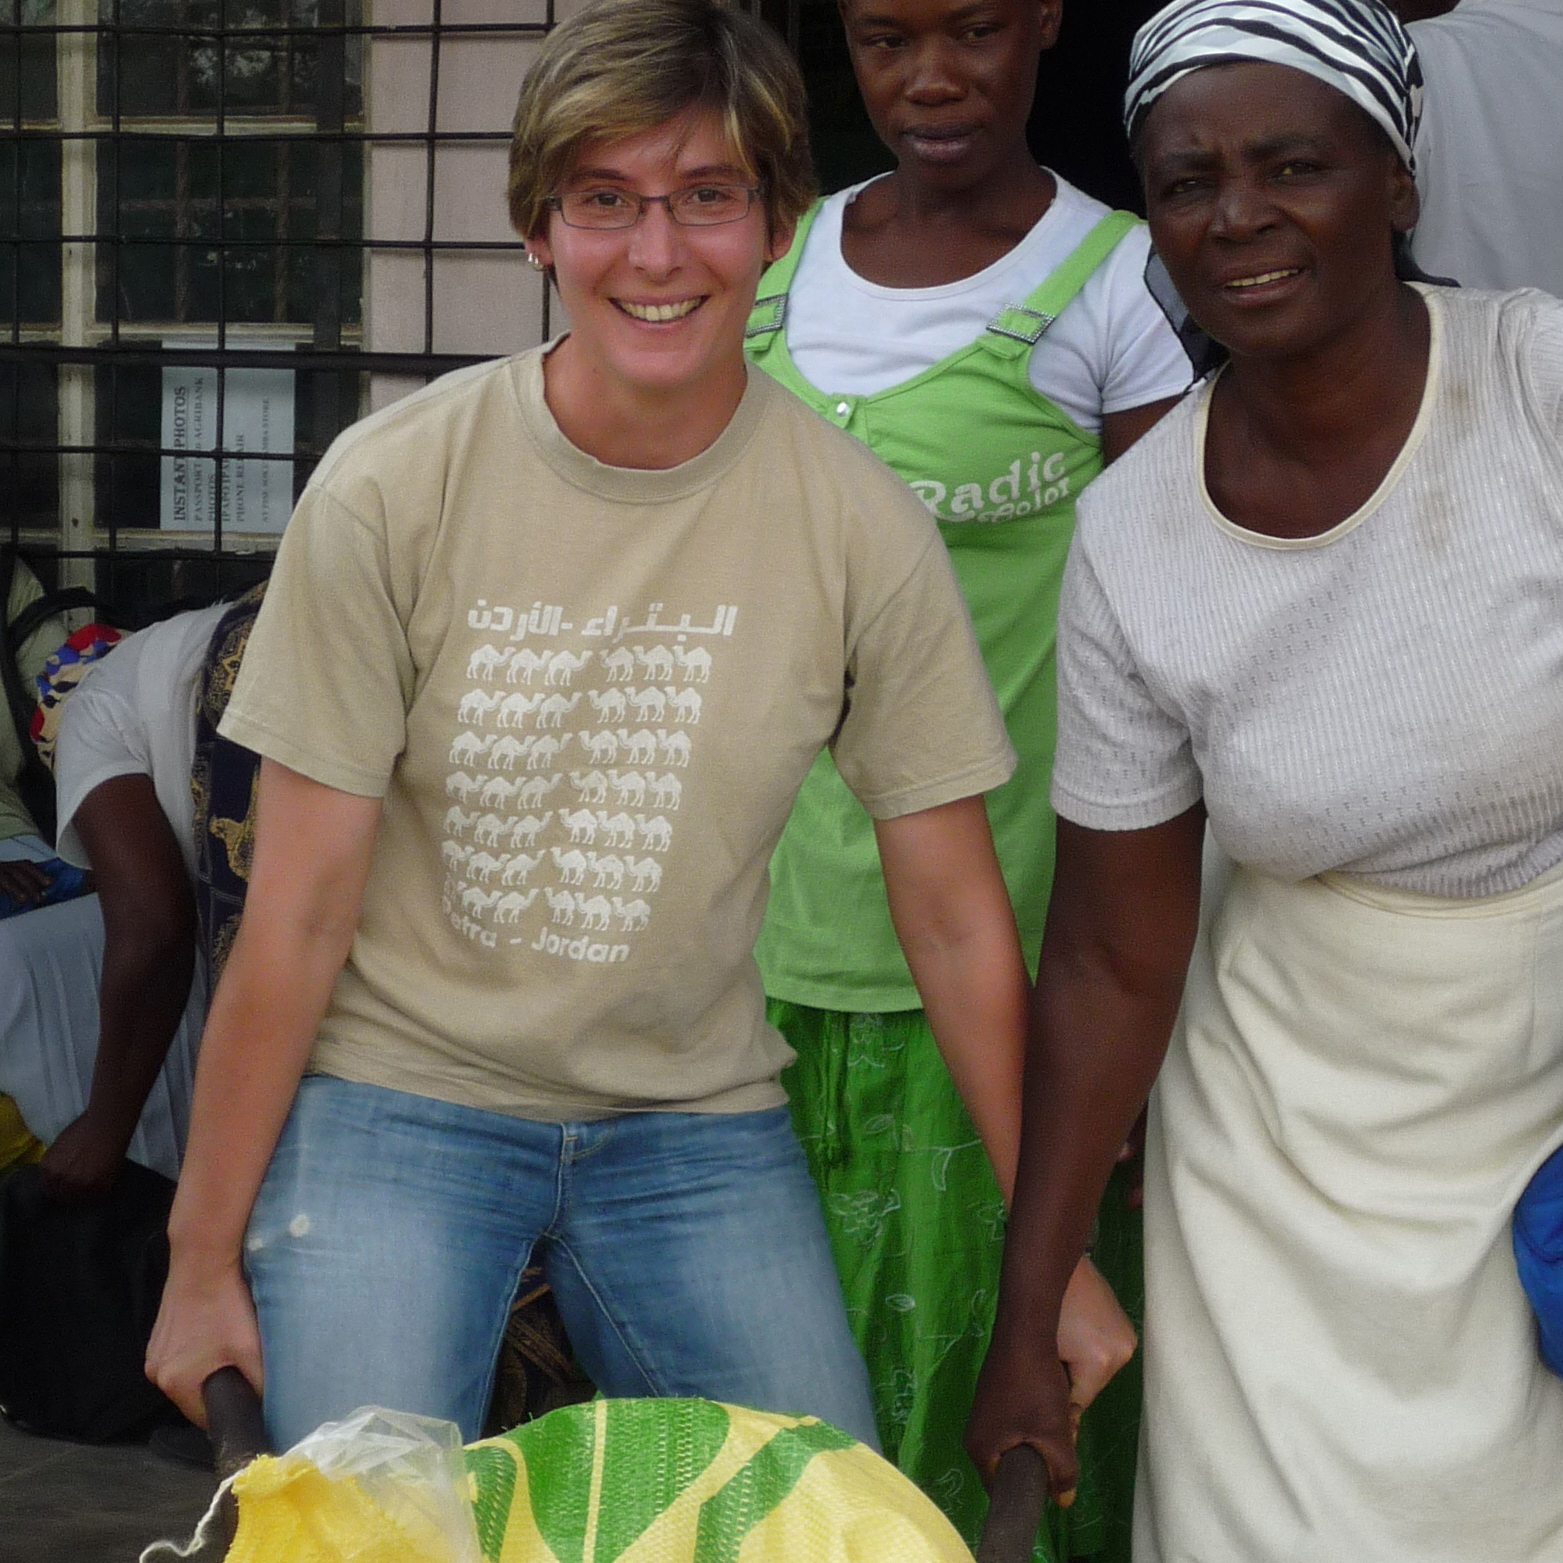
{"x":534,"y":260}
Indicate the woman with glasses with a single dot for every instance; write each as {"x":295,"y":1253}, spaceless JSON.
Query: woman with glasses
{"x":547,"y":652}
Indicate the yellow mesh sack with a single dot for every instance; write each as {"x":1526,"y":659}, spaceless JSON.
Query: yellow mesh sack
{"x":289,"y":1510}
{"x":376,"y":1487}
{"x":619,"y":1481}
{"x":690,"y":1481}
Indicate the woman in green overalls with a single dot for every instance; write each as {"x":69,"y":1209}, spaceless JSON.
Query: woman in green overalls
{"x":986,"y":329}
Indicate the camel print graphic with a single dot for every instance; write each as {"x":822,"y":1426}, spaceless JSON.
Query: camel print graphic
{"x":572,"y":748}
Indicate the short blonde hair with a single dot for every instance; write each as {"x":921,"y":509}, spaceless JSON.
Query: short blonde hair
{"x":622,"y":67}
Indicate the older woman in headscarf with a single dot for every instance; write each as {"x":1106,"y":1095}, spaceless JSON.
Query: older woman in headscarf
{"x":1317,"y":606}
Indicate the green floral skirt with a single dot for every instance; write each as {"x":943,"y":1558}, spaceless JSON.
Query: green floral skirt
{"x":917,"y":1227}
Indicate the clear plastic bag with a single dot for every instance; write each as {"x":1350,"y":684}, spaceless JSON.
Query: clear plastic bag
{"x":409,"y":1468}
{"x":377,"y":1487}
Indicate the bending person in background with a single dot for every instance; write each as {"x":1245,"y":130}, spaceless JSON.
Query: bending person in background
{"x":101,"y":999}
{"x":1302,"y":607}
{"x":547,"y":652}
{"x":985,"y":328}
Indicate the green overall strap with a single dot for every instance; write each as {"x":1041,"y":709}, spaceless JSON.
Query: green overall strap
{"x":769,"y":314}
{"x":1017,"y":328}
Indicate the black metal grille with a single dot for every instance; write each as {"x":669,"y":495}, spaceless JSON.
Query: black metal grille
{"x":182,"y":169}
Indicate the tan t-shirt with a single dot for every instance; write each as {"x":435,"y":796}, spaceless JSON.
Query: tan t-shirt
{"x":588,"y":695}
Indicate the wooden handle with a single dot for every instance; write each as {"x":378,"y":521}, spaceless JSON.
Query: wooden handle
{"x":1015,"y":1504}
{"x":233,"y":1421}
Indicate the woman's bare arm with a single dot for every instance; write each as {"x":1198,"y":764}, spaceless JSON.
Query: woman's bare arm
{"x":1120,"y":929}
{"x":953,"y":919}
{"x":312,"y":851}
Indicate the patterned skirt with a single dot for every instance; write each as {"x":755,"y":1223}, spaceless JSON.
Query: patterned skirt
{"x":917,"y":1228}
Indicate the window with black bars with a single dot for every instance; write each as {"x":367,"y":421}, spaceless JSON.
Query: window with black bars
{"x":228,"y":229}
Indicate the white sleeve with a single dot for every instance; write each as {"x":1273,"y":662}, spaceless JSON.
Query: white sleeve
{"x":1145,"y":361}
{"x":1120,"y":335}
{"x":1123,"y":762}
{"x":100,"y":737}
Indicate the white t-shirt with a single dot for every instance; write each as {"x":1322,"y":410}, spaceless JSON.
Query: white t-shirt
{"x":1490,"y":150}
{"x":1110,"y":350}
{"x":1385,"y":699}
{"x":133,"y":714}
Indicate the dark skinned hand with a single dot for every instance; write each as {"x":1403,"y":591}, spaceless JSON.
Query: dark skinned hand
{"x":23,"y":881}
{"x":1023,"y":1398}
{"x":83,"y":1162}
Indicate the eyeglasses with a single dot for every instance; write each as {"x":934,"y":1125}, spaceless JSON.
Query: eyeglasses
{"x":695,"y":206}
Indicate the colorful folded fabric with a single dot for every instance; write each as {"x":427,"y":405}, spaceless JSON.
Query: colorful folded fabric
{"x":62,"y":672}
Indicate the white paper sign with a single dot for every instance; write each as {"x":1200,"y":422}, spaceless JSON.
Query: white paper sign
{"x":257,"y":416}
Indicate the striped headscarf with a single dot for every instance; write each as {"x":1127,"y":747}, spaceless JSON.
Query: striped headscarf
{"x":1355,"y":46}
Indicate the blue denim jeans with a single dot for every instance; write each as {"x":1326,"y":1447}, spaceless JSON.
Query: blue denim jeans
{"x":686,"y":1252}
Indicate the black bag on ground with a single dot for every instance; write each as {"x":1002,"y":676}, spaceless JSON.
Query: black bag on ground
{"x":79,"y":1290}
